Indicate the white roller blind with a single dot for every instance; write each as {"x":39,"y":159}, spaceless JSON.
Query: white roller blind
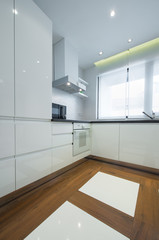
{"x":119,"y":98}
{"x":136,"y":87}
{"x":155,"y":100}
{"x":112,"y":94}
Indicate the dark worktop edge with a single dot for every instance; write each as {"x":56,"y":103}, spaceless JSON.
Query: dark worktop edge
{"x":106,"y":121}
{"x":70,"y":120}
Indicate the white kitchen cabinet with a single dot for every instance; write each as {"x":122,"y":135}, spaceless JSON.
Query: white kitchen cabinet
{"x":62,"y":145}
{"x":32,"y":167}
{"x":6,"y":138}
{"x":61,"y":157}
{"x":33,"y":61}
{"x":61,"y":128}
{"x":32,"y":136}
{"x":105,"y":140}
{"x":7,"y":176}
{"x":61,"y":139}
{"x":81,"y":155}
{"x":139,"y":144}
{"x":6,"y":58}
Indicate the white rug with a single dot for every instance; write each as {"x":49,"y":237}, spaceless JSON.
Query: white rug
{"x":71,"y":223}
{"x":114,"y":191}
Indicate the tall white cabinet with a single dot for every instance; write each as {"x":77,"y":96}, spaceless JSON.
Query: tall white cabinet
{"x":33,"y":61}
{"x":6,"y":58}
{"x":25,"y":94}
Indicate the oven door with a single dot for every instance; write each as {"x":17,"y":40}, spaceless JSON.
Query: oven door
{"x":81,"y":141}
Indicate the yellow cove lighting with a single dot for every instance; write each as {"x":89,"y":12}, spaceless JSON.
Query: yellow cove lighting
{"x":140,"y":49}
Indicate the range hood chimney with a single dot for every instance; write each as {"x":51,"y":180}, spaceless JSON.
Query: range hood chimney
{"x":66,"y":67}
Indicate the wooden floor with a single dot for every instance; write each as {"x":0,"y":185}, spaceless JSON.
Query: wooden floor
{"x":21,"y":216}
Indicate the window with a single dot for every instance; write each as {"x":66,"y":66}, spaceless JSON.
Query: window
{"x":130,"y":85}
{"x":136,"y":87}
{"x":129,"y":92}
{"x":155,"y":100}
{"x":112,"y":94}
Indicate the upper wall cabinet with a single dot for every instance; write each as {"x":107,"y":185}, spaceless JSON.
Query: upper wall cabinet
{"x":33,"y":61}
{"x":6,"y":58}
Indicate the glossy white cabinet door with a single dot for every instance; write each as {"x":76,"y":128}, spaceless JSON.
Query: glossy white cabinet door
{"x":32,"y":136}
{"x":61,"y":139}
{"x":139,"y":144}
{"x":7,"y":176}
{"x":62,"y":128}
{"x":33,"y":61}
{"x":81,"y":155}
{"x":105,"y":140}
{"x":6,"y":138}
{"x":6,"y":58}
{"x":61,"y":157}
{"x":32,"y":167}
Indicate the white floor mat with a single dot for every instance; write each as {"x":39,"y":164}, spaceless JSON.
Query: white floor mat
{"x":71,"y":223}
{"x":114,"y":191}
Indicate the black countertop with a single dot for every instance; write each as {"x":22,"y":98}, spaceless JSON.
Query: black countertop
{"x":70,"y":120}
{"x":108,"y":121}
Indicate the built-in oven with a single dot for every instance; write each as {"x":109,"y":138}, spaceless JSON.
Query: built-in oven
{"x":58,"y":111}
{"x":81,"y":138}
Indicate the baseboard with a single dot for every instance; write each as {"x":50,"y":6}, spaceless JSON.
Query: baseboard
{"x":26,"y":189}
{"x":125,"y":164}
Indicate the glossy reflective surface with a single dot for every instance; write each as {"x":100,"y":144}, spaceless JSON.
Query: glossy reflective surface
{"x":114,"y":191}
{"x":71,"y":223}
{"x":6,"y":58}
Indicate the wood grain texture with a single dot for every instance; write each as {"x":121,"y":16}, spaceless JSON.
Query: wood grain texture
{"x":112,"y":217}
{"x":22,"y":215}
{"x":125,"y":164}
{"x":16,"y":194}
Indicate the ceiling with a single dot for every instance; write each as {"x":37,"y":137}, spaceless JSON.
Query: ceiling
{"x":87,"y":25}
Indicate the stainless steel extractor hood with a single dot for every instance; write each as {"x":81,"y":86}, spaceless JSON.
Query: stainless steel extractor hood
{"x":67,"y":85}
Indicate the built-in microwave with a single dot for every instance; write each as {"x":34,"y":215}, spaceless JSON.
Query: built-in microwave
{"x":58,"y":111}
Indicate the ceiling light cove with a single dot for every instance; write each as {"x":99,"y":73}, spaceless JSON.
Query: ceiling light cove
{"x":112,"y":13}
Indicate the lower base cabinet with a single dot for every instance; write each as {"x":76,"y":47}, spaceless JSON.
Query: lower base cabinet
{"x":61,"y":157}
{"x":81,"y":155}
{"x":32,"y":167}
{"x":7,"y":176}
{"x":105,"y":140}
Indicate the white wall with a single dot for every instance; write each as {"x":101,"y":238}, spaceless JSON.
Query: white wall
{"x":75,"y":105}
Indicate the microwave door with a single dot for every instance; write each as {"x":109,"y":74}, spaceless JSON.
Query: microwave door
{"x":62,"y":111}
{"x":55,"y":111}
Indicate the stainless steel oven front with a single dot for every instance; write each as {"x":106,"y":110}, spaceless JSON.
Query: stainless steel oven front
{"x":81,"y":138}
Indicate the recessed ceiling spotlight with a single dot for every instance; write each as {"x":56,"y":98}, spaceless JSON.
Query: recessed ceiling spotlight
{"x":129,"y":40}
{"x":68,"y":83}
{"x":112,"y":13}
{"x":100,"y":53}
{"x":15,"y":11}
